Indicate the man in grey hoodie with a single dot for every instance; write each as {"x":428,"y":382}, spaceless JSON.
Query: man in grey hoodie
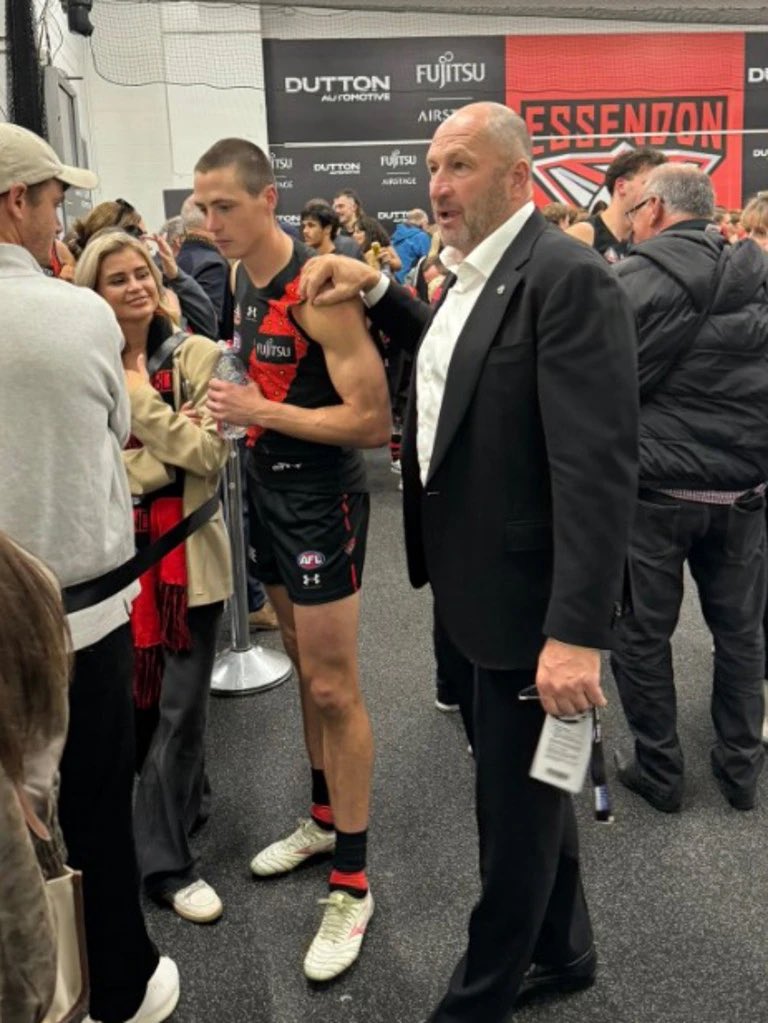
{"x":64,"y":417}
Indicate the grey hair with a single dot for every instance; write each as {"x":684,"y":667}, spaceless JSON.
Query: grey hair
{"x":172,"y":230}
{"x":191,"y":217}
{"x":683,"y":189}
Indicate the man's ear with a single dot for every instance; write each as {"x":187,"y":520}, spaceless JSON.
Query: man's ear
{"x":16,"y":201}
{"x":270,"y":194}
{"x":520,"y":175}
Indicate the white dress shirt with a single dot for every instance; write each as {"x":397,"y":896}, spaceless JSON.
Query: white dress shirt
{"x":437,"y":348}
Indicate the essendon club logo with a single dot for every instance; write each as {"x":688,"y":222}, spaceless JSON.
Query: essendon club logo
{"x":574,"y":140}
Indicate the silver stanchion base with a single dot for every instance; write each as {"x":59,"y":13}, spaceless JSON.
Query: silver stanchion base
{"x":243,"y":672}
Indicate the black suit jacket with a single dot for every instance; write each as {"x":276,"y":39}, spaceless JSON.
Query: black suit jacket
{"x":522,"y":527}
{"x":210,"y":269}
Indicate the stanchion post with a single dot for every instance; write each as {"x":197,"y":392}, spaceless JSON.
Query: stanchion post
{"x":242,"y":669}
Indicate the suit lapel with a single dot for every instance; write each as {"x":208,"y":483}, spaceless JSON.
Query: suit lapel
{"x":477,"y":334}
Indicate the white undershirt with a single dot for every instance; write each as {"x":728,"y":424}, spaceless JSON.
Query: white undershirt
{"x":437,"y":348}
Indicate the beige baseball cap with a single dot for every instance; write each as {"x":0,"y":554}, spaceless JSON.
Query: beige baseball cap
{"x":26,"y":159}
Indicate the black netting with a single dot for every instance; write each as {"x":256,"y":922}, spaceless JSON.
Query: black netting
{"x":705,"y":12}
{"x":25,"y":84}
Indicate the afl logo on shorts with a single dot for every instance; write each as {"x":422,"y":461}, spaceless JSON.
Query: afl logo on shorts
{"x":310,"y":560}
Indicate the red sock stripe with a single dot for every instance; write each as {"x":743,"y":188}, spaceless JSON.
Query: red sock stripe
{"x":357,"y":880}
{"x":322,"y":813}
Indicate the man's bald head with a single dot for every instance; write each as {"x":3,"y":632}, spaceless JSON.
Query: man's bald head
{"x":504,"y":128}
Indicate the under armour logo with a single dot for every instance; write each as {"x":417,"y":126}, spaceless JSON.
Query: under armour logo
{"x":311,"y":580}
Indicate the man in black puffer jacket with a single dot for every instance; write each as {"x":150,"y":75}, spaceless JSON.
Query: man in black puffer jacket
{"x":702,"y":313}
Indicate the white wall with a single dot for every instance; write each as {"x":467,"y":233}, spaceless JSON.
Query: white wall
{"x":146,"y":139}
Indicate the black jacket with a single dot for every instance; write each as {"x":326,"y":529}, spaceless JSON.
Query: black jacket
{"x":523,"y":524}
{"x":202,"y":260}
{"x":702,"y":314}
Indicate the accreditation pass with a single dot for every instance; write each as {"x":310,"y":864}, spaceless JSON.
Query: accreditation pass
{"x":562,"y":755}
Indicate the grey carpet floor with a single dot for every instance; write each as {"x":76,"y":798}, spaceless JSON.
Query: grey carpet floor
{"x":679,"y":903}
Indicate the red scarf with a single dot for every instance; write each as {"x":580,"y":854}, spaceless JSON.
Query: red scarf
{"x":159,"y":614}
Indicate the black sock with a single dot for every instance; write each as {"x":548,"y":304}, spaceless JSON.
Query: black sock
{"x":320,"y":792}
{"x":321,"y":801}
{"x":349,"y":860}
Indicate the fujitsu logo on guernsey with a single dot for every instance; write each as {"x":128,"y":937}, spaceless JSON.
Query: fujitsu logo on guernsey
{"x":397,"y":159}
{"x":269,"y":350}
{"x":342,"y":88}
{"x":449,"y":72}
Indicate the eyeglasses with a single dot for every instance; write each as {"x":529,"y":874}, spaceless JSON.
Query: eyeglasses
{"x":631,"y":212}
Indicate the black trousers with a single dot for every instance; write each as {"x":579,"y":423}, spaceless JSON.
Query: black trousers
{"x":96,"y":815}
{"x":172,"y":786}
{"x":532,"y":906}
{"x":725,"y":550}
{"x":455,"y":674}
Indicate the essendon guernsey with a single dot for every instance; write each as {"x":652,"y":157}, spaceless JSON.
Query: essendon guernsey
{"x":289,"y":367}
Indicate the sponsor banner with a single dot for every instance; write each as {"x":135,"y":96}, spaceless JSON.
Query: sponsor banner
{"x":390,"y":180}
{"x":587,"y":98}
{"x":755,"y":146}
{"x":375,"y":89}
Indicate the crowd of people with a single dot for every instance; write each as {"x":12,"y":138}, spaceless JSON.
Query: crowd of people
{"x":571,"y":464}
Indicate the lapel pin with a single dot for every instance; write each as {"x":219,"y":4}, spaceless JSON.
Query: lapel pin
{"x":501,"y":289}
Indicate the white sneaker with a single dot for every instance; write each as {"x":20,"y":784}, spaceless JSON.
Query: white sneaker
{"x":765,"y":719}
{"x":197,"y":902}
{"x":161,"y":996}
{"x":337,"y":944}
{"x":309,"y":839}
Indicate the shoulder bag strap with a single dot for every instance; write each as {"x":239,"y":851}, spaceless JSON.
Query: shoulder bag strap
{"x":168,"y":347}
{"x":93,"y":591}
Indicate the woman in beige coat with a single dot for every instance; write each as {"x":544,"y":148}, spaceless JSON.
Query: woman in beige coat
{"x":173,"y":460}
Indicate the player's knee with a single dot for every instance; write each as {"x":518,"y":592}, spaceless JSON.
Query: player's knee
{"x":330,"y":695}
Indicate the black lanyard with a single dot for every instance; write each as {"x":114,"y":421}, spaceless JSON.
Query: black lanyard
{"x":603,"y":807}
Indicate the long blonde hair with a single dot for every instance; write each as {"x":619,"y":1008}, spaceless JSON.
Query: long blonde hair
{"x":108,"y":242}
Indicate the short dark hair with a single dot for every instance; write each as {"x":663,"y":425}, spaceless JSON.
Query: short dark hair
{"x":252,"y":164}
{"x":351,"y":194}
{"x":325,"y":215}
{"x":626,"y":165}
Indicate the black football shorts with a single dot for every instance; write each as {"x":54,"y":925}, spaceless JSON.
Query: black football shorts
{"x":313,"y":544}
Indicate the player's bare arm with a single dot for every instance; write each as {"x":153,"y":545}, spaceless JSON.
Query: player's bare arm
{"x":356,"y":371}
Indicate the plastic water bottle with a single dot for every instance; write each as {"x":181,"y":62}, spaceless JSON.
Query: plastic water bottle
{"x":230,"y":368}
